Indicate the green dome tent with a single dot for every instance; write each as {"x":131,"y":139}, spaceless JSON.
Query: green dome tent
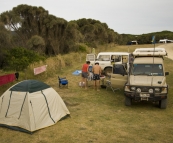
{"x":31,"y":105}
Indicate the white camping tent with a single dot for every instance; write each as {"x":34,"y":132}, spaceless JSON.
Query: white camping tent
{"x":31,"y":105}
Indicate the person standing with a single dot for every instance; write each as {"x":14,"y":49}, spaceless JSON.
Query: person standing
{"x":96,"y":75}
{"x":85,"y":73}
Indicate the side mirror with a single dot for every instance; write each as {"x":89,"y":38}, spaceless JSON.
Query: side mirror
{"x":166,"y":73}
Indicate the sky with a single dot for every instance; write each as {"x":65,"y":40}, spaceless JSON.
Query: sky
{"x":123,"y":16}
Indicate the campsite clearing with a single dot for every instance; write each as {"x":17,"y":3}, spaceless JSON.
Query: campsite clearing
{"x":101,"y":117}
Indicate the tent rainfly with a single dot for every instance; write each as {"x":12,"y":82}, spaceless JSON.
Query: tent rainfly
{"x":31,"y":105}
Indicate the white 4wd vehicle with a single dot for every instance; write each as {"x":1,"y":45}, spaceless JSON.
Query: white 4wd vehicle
{"x":107,"y":59}
{"x":146,"y":78}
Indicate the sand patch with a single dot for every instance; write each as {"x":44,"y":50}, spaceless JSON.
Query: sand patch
{"x":169,"y":48}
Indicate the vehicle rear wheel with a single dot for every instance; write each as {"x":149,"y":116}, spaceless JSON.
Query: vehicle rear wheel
{"x":163,"y":104}
{"x":128,"y":101}
{"x":108,"y":71}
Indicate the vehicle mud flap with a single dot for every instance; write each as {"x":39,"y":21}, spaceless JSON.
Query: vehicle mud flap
{"x":163,"y":103}
{"x":128,"y":101}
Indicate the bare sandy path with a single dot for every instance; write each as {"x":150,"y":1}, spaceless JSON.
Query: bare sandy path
{"x":169,"y":48}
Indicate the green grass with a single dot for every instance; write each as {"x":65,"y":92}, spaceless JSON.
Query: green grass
{"x":99,"y":117}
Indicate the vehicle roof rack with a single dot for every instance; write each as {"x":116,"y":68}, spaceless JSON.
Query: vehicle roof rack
{"x":150,"y":52}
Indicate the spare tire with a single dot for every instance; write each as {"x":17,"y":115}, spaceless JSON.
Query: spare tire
{"x":108,"y":71}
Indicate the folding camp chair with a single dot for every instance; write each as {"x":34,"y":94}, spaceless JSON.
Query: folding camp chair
{"x":62,"y":82}
{"x":108,"y":84}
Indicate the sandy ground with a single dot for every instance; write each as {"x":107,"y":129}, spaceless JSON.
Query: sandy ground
{"x":169,"y":48}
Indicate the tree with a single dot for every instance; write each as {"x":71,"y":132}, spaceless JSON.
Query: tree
{"x":27,"y":21}
{"x":54,"y":35}
{"x":59,"y":36}
{"x":5,"y":43}
{"x":37,"y":44}
{"x":72,"y":37}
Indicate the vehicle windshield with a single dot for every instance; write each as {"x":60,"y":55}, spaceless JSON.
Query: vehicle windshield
{"x":147,"y":69}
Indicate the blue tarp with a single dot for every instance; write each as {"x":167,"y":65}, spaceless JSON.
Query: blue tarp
{"x":77,"y":72}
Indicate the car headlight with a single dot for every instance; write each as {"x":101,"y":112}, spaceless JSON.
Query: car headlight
{"x":133,"y":88}
{"x":138,"y":90}
{"x":150,"y":90}
{"x":157,"y":89}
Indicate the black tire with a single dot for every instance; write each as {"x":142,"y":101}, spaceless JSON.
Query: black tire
{"x":107,"y":71}
{"x":128,"y":101}
{"x":163,"y":104}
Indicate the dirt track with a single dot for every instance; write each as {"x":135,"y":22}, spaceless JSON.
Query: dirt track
{"x":169,"y":48}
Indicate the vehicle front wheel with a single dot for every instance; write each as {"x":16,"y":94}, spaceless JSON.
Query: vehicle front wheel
{"x":163,"y":103}
{"x":128,"y":101}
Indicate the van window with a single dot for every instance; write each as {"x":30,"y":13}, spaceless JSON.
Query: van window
{"x":104,"y":58}
{"x":116,"y":58}
{"x":90,"y":58}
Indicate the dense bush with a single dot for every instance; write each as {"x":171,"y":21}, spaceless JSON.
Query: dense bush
{"x":19,"y":58}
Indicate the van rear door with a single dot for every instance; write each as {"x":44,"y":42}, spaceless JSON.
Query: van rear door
{"x":91,"y":58}
{"x":125,"y":62}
